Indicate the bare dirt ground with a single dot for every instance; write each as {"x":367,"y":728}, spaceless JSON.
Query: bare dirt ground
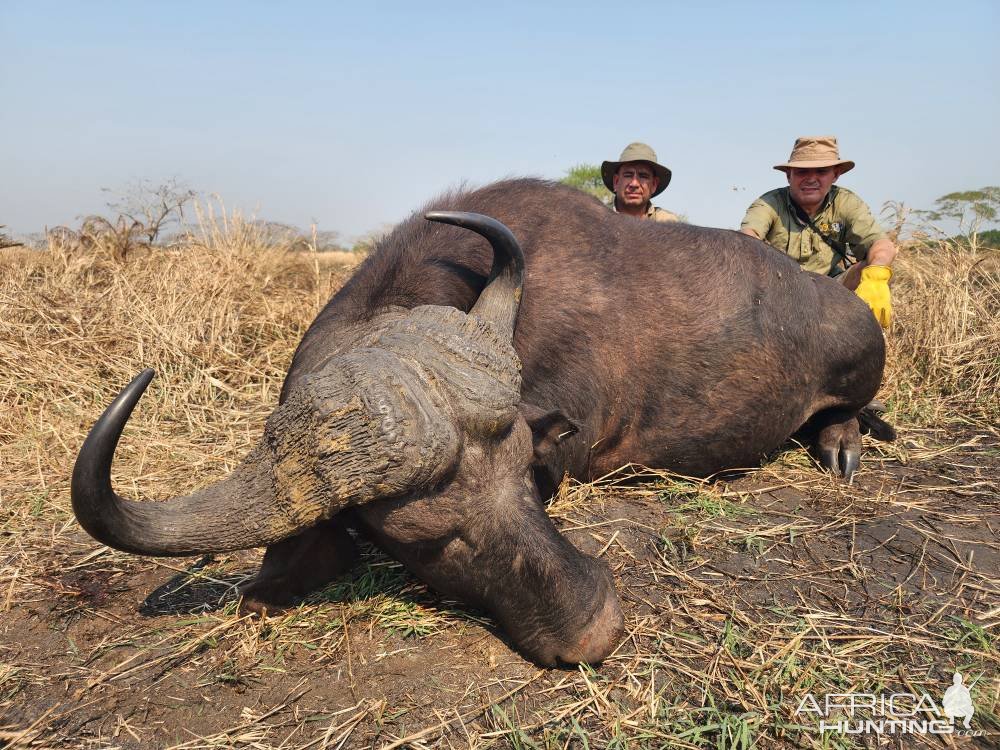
{"x":740,"y":598}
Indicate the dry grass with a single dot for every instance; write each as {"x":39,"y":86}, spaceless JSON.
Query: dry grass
{"x":944,"y":351}
{"x":739,"y":595}
{"x":217,"y":319}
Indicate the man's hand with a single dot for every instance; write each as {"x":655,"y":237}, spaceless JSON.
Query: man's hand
{"x":874,"y":289}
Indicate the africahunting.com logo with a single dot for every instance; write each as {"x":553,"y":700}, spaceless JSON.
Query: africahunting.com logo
{"x":892,"y":713}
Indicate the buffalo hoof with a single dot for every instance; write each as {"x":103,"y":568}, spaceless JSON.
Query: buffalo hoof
{"x":263,"y":599}
{"x":873,"y":424}
{"x":842,"y":462}
{"x":876,"y":406}
{"x":838,"y":447}
{"x":850,"y":460}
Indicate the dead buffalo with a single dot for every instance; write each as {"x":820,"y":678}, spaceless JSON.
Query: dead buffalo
{"x":673,"y":346}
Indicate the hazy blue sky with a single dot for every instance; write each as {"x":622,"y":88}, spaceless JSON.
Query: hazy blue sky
{"x":353,"y":117}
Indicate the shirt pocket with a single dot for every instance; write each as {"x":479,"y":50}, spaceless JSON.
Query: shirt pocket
{"x":803,"y":246}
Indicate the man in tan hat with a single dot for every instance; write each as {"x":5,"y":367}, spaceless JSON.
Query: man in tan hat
{"x":636,"y":179}
{"x":821,"y":225}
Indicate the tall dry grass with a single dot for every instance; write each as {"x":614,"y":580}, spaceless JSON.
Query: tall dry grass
{"x":944,"y":347}
{"x":219,"y":317}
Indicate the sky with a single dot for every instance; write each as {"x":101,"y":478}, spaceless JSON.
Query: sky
{"x":353,"y":115}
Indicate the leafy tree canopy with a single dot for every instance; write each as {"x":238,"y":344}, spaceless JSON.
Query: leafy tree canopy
{"x":970,"y":208}
{"x":587,"y":177}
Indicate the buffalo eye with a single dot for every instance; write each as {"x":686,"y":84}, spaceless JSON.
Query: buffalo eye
{"x":548,"y":429}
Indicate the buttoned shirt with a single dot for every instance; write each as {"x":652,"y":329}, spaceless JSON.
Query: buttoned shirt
{"x":776,"y":219}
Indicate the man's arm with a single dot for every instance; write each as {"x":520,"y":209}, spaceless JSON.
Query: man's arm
{"x":882,"y":253}
{"x":758,"y":219}
{"x":863,"y":231}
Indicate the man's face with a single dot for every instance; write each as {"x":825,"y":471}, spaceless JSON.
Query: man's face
{"x":810,"y":186}
{"x":634,"y":183}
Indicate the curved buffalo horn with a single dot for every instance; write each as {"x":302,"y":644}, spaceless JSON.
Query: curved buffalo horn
{"x":500,"y":300}
{"x":236,"y":513}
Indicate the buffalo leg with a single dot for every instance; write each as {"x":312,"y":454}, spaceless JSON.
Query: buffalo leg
{"x":837,"y":445}
{"x":295,"y":566}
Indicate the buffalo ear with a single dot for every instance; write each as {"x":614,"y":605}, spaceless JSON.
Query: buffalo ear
{"x":548,"y":429}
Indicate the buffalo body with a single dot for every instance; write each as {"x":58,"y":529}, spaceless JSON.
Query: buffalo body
{"x":680,"y":347}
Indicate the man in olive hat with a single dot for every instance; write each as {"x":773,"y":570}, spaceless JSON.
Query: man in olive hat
{"x":821,"y":225}
{"x":636,"y":179}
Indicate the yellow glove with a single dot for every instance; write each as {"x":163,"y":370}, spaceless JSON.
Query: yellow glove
{"x":874,"y":289}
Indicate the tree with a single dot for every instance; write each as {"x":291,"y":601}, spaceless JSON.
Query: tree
{"x":969,"y":208}
{"x":6,"y":241}
{"x":151,"y":207}
{"x":587,"y":177}
{"x":990,"y":238}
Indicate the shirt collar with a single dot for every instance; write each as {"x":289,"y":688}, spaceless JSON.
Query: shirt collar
{"x":650,"y":208}
{"x":797,"y":211}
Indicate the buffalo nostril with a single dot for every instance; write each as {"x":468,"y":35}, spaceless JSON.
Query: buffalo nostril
{"x":601,"y":635}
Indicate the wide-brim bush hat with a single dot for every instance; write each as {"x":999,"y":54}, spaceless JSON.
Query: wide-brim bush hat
{"x":635,"y":152}
{"x":815,"y":152}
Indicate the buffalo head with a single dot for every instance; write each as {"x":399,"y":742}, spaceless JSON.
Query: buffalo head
{"x":412,"y":425}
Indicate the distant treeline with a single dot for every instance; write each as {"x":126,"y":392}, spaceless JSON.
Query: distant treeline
{"x":990,"y":238}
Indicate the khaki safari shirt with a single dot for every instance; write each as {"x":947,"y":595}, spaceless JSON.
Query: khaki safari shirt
{"x":653,"y":212}
{"x":843,"y":216}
